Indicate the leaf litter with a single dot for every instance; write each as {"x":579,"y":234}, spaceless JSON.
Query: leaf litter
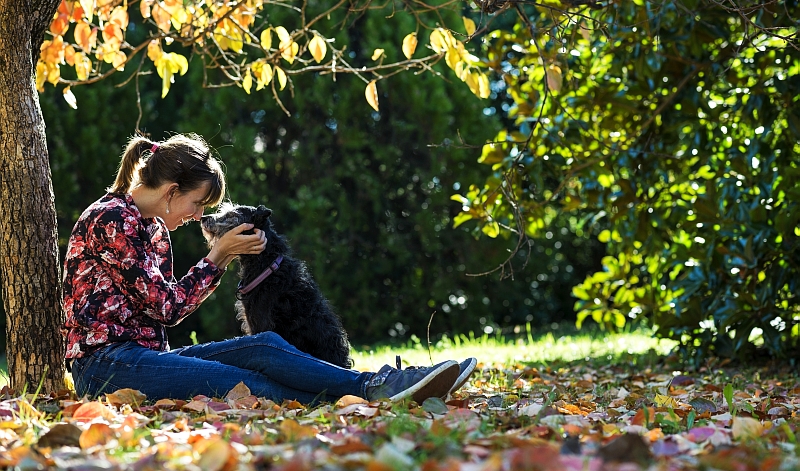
{"x":570,"y":416}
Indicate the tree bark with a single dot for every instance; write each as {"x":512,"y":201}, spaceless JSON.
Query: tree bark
{"x":29,"y":259}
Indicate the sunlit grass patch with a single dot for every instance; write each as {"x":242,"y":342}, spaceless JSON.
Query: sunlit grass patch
{"x":533,"y":348}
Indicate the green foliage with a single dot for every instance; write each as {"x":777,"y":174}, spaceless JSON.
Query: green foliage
{"x":671,"y":128}
{"x":363,"y":197}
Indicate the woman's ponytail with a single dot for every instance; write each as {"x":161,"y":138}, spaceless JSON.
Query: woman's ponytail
{"x":131,"y":160}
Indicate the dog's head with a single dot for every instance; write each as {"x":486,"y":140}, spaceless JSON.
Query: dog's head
{"x":231,"y":215}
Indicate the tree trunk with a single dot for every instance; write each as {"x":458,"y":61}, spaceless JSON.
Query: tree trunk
{"x":29,"y":260}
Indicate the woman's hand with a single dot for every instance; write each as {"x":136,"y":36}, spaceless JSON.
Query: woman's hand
{"x":235,"y":243}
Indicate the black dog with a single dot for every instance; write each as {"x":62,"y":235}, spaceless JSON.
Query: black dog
{"x":276,"y":291}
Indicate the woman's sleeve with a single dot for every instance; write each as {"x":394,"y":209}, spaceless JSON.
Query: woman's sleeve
{"x":137,"y":275}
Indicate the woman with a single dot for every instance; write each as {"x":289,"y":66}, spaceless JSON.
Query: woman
{"x":120,"y":295}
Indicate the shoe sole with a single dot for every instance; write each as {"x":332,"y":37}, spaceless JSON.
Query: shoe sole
{"x":435,"y":384}
{"x":464,"y":376}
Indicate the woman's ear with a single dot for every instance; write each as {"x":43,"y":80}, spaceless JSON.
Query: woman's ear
{"x":172,"y":189}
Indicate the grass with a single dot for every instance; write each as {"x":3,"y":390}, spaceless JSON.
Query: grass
{"x":561,"y":345}
{"x":535,"y":348}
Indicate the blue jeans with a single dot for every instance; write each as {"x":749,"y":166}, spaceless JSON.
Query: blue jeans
{"x":265,"y":362}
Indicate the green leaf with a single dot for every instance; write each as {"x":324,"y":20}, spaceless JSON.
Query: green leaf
{"x":491,"y":229}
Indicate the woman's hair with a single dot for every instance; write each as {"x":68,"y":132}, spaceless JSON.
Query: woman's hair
{"x":184,"y":159}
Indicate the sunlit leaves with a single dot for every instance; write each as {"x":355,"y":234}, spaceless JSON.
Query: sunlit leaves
{"x":318,"y":48}
{"x":266,"y":39}
{"x":167,"y":65}
{"x":371,"y":93}
{"x":69,"y":97}
{"x":281,"y":75}
{"x":409,"y":45}
{"x":247,"y":82}
{"x":469,"y":25}
{"x":288,"y":47}
{"x":263,"y":74}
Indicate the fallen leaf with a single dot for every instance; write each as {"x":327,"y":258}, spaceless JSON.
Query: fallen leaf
{"x":292,"y":431}
{"x":60,"y":435}
{"x":96,"y":434}
{"x":92,"y":410}
{"x":626,"y":448}
{"x":746,"y":427}
{"x":125,"y":396}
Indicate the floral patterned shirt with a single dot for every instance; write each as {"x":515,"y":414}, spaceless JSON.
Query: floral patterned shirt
{"x":118,"y":281}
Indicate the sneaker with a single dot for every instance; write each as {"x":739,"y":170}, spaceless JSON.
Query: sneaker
{"x":418,"y":382}
{"x":466,"y":368}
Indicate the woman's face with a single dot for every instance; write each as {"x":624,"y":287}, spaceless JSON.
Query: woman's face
{"x":185,"y":207}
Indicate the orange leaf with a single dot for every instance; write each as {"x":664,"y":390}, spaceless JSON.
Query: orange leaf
{"x":162,"y":17}
{"x":85,"y":36}
{"x":59,"y":25}
{"x":348,"y":399}
{"x":91,"y":411}
{"x":214,"y":454}
{"x":112,"y":33}
{"x":96,"y":434}
{"x":144,"y":8}
{"x":125,"y":396}
{"x":639,"y":418}
{"x":293,"y":431}
{"x":120,"y":16}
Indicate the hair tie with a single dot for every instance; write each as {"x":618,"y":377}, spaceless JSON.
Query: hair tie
{"x":154,"y":148}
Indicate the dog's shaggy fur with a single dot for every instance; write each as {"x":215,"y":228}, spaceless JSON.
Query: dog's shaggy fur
{"x":288,"y":302}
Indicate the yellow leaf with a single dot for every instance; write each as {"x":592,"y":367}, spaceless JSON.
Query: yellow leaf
{"x":266,"y":39}
{"x":472,"y":82}
{"x":283,"y":35}
{"x":167,"y":65}
{"x":483,"y":86}
{"x":41,"y":75}
{"x":281,"y":77}
{"x":70,"y":98}
{"x":247,"y":82}
{"x":235,"y":40}
{"x":88,"y":8}
{"x":665,"y":401}
{"x":372,"y":95}
{"x":437,"y":41}
{"x":154,"y":51}
{"x":492,"y":229}
{"x":318,"y":48}
{"x":83,"y":66}
{"x":409,"y":45}
{"x":469,"y":25}
{"x":263,"y":74}
{"x":377,"y":54}
{"x":452,"y":57}
{"x":746,"y":427}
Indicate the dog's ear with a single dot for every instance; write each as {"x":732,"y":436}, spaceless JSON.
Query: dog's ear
{"x":261,"y":216}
